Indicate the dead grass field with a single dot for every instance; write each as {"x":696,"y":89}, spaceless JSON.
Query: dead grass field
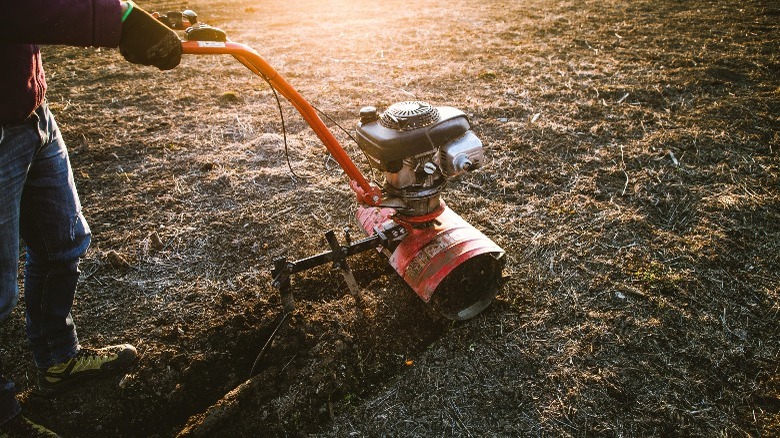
{"x":633,"y":179}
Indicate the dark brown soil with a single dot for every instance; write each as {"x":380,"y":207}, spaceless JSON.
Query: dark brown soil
{"x":633,"y":180}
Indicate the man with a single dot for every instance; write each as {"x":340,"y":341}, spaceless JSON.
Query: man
{"x":38,"y":199}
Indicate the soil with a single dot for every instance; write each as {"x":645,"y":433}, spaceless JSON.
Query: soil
{"x":633,"y":179}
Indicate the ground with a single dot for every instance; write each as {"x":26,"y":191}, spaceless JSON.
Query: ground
{"x":633,"y":179}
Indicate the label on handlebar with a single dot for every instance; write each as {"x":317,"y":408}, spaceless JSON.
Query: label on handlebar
{"x":210,"y":44}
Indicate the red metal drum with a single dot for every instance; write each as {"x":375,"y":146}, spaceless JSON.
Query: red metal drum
{"x":448,"y":263}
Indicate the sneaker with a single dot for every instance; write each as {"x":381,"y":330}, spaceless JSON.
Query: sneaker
{"x":87,"y":363}
{"x":22,"y":427}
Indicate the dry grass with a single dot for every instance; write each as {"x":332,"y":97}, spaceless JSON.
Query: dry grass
{"x":633,"y":181}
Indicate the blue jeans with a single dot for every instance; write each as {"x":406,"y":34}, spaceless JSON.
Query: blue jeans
{"x":38,"y":201}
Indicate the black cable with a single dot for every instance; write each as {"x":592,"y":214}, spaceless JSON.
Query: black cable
{"x":330,"y":119}
{"x":267,"y":345}
{"x":284,"y":128}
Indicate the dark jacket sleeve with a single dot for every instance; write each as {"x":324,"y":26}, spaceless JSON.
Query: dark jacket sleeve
{"x":71,"y":22}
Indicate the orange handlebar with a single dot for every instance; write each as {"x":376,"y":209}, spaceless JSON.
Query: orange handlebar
{"x":366,"y":193}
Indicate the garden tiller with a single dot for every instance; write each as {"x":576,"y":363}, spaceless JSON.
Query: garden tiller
{"x":418,"y":147}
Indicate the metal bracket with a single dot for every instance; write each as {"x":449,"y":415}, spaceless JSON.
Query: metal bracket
{"x":388,"y":236}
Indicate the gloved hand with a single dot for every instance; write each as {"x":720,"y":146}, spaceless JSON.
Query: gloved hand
{"x":147,"y":41}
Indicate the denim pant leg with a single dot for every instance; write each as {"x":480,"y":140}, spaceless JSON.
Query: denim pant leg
{"x":17,"y":147}
{"x":9,"y":406}
{"x":56,"y":235}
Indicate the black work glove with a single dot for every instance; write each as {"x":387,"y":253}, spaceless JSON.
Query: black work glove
{"x":147,"y":41}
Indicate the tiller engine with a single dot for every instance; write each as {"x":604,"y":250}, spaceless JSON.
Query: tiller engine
{"x":445,"y":260}
{"x":418,"y":147}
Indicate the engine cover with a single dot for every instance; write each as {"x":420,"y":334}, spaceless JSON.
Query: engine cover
{"x":408,"y":129}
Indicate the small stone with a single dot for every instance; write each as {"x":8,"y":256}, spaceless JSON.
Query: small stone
{"x":155,"y":241}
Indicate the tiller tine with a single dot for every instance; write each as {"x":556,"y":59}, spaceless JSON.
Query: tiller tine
{"x":386,"y":235}
{"x":342,"y":264}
